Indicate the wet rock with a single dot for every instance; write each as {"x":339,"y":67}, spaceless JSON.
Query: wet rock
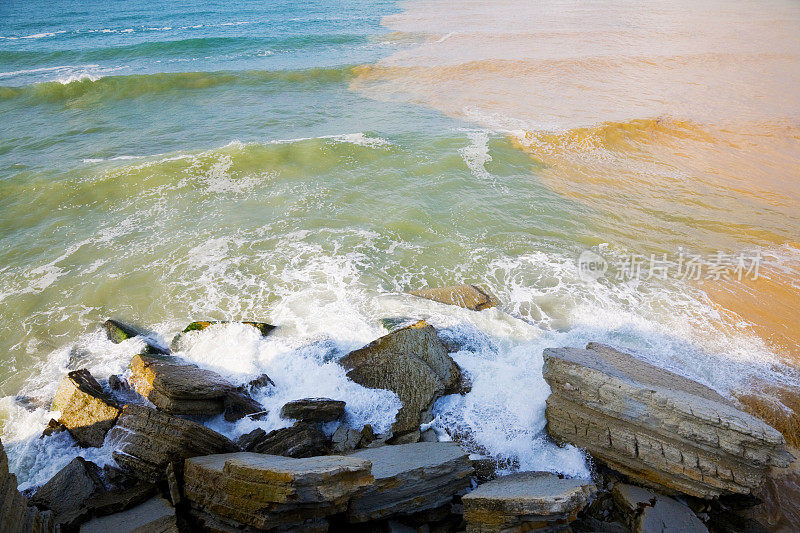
{"x":467,"y":296}
{"x":177,"y":387}
{"x":526,"y":501}
{"x":485,"y":468}
{"x":15,"y":514}
{"x":271,"y":492}
{"x":649,"y":512}
{"x":118,"y":332}
{"x":177,"y":344}
{"x":300,"y":440}
{"x":345,"y":439}
{"x":656,"y":427}
{"x":69,"y":493}
{"x":261,"y":381}
{"x":117,"y":383}
{"x":86,"y":410}
{"x":155,"y":515}
{"x":314,"y":410}
{"x":406,"y":438}
{"x":429,"y":435}
{"x":410,"y":478}
{"x":237,"y":404}
{"x":53,"y":427}
{"x":146,"y":441}
{"x":413,"y":363}
{"x":397,"y":322}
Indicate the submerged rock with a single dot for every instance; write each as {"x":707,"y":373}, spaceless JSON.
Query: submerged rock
{"x":86,"y":410}
{"x":467,"y":296}
{"x":146,"y":441}
{"x":657,"y":427}
{"x":314,"y":410}
{"x":413,"y":363}
{"x":177,"y":387}
{"x":410,"y":478}
{"x":15,"y":514}
{"x":69,"y":493}
{"x":118,"y":332}
{"x":526,"y":501}
{"x":176,"y":345}
{"x":270,"y":492}
{"x":300,"y":440}
{"x":156,"y":515}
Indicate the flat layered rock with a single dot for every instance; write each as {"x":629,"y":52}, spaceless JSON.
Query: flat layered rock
{"x":117,"y":332}
{"x":411,"y":362}
{"x":86,"y":410}
{"x":526,"y":501}
{"x":153,"y":516}
{"x":467,"y":296}
{"x":271,"y":492}
{"x":657,"y":427}
{"x":300,"y":440}
{"x":177,"y":387}
{"x":146,"y":441}
{"x":410,"y":478}
{"x":314,"y":410}
{"x":15,"y":514}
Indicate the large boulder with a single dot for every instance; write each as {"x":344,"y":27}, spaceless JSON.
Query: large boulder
{"x":15,"y":514}
{"x":526,"y":501}
{"x":271,"y":492}
{"x":177,"y":387}
{"x":412,"y":362}
{"x":156,"y":515}
{"x":86,"y":410}
{"x":146,"y":441}
{"x":314,"y":410}
{"x":648,"y":512}
{"x":467,"y":296}
{"x":300,"y":440}
{"x":657,"y":427}
{"x":68,"y":494}
{"x":410,"y":478}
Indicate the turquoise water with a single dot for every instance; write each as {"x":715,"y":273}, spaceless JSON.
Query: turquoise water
{"x":163,"y":163}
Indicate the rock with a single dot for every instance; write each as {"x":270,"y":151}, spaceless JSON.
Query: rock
{"x":177,"y":387}
{"x":68,"y":494}
{"x":146,"y":441}
{"x":648,"y":512}
{"x":300,"y":440}
{"x":15,"y":514}
{"x":117,"y":383}
{"x":429,"y":435}
{"x":345,"y":439}
{"x":410,"y":478}
{"x":413,"y":363}
{"x":656,"y":427}
{"x":526,"y":501}
{"x":53,"y":427}
{"x":485,"y":468}
{"x":314,"y":410}
{"x":176,"y":345}
{"x":122,"y":499}
{"x":367,"y":436}
{"x":467,"y":296}
{"x":86,"y":410}
{"x":397,"y":322}
{"x":237,"y":404}
{"x":118,"y":332}
{"x":261,"y":381}
{"x":155,"y":515}
{"x":407,"y":438}
{"x":272,"y":492}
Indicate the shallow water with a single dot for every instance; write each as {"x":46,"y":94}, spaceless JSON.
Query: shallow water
{"x":306,"y":164}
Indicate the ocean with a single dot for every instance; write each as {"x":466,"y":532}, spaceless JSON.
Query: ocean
{"x":309,"y":163}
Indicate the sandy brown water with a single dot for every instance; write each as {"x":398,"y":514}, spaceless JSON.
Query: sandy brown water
{"x":677,"y":122}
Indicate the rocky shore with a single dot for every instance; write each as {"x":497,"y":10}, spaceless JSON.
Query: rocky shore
{"x":667,"y":453}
